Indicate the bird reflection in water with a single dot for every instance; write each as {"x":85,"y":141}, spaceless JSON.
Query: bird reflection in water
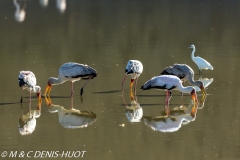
{"x":134,"y":112}
{"x":61,"y":5}
{"x":43,"y":3}
{"x":71,"y":118}
{"x":172,"y":120}
{"x":20,"y":12}
{"x":27,"y":122}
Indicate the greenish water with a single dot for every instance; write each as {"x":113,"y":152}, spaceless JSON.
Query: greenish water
{"x":105,"y":35}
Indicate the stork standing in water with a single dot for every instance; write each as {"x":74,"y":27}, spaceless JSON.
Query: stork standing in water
{"x":201,"y":63}
{"x":27,"y":80}
{"x":72,"y":72}
{"x":168,"y":83}
{"x":134,"y":68}
{"x":184,"y":72}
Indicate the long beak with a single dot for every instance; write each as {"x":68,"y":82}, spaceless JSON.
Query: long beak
{"x":194,"y":98}
{"x":131,"y":83}
{"x":47,"y":90}
{"x":48,"y":101}
{"x":39,"y":97}
{"x":194,"y":111}
{"x":203,"y":90}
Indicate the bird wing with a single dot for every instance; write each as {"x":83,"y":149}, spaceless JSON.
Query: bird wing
{"x":75,"y":70}
{"x":168,"y":82}
{"x":27,"y":78}
{"x":179,"y":70}
{"x":202,"y":63}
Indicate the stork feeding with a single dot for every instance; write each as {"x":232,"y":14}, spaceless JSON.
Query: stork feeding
{"x":168,"y":83}
{"x":72,"y":72}
{"x":134,"y":68}
{"x":200,"y":62}
{"x":27,"y":80}
{"x":184,"y":72}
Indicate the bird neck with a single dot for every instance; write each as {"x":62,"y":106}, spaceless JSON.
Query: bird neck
{"x":191,"y":80}
{"x":193,"y":51}
{"x":55,"y":81}
{"x":187,"y":89}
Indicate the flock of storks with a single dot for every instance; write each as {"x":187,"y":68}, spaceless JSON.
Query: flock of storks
{"x":170,"y":78}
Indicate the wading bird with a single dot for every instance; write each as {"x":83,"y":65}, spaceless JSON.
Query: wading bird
{"x":168,"y":83}
{"x":201,"y":63}
{"x":134,"y":68}
{"x":27,"y":80}
{"x":72,"y":72}
{"x":184,"y":72}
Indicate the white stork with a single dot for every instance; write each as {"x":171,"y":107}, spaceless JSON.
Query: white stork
{"x":200,"y":62}
{"x":72,"y":72}
{"x":134,"y":68}
{"x":169,"y":82}
{"x":27,"y":80}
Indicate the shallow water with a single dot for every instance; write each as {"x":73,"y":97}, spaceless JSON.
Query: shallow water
{"x":105,"y":35}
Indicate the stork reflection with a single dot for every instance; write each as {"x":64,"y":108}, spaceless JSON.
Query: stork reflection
{"x":172,"y":120}
{"x":27,"y":123}
{"x":71,"y":118}
{"x":134,"y":112}
{"x":61,"y":5}
{"x":20,"y":12}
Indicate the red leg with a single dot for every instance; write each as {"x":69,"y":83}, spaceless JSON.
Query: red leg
{"x":72,"y":92}
{"x":123,"y":83}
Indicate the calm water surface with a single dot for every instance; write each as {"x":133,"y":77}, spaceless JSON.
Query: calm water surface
{"x":42,"y":35}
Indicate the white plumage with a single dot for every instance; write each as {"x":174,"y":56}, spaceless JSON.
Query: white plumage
{"x":171,"y":120}
{"x":133,"y":68}
{"x":27,"y":80}
{"x":71,"y":118}
{"x":72,"y":72}
{"x":200,"y":62}
{"x":184,"y":72}
{"x":168,"y":83}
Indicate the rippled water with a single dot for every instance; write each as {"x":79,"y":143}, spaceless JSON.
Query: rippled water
{"x":42,"y":35}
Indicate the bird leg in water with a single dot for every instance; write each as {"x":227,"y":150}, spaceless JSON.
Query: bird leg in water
{"x":21,"y":96}
{"x":72,"y":92}
{"x":167,"y":111}
{"x":30,"y":100}
{"x":81,"y":92}
{"x":168,"y":96}
{"x":123,"y":83}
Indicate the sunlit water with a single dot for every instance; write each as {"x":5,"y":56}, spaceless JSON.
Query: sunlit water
{"x":42,"y":35}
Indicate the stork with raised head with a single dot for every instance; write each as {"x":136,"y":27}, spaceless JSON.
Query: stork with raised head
{"x":27,"y":80}
{"x":168,"y":83}
{"x":134,"y":68}
{"x":72,"y":72}
{"x":200,"y":62}
{"x":184,"y":72}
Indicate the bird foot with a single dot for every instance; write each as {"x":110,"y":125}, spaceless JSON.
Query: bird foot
{"x":21,"y":100}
